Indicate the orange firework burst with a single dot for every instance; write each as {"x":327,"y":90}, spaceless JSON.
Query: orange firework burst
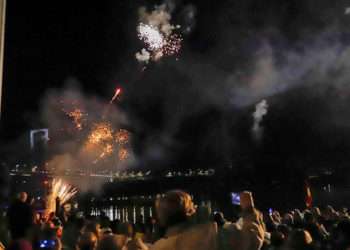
{"x":123,"y":154}
{"x":122,"y":137}
{"x":101,"y":132}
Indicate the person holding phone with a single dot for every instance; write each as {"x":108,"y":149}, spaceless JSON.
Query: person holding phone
{"x":251,"y":224}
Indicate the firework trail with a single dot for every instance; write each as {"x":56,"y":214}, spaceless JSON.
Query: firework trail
{"x":157,"y":34}
{"x":117,"y":92}
{"x":260,"y":112}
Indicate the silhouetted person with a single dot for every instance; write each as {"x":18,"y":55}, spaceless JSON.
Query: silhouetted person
{"x":20,"y":217}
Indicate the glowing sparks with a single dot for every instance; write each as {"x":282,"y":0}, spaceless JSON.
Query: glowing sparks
{"x":123,"y":154}
{"x":122,"y":137}
{"x":151,"y":36}
{"x":172,"y":45}
{"x":100,"y":143}
{"x":101,"y":132}
{"x":157,"y":44}
{"x":77,"y":116}
{"x":62,"y":190}
{"x":107,"y":150}
{"x":156,"y":31}
{"x":117,"y":92}
{"x":103,"y":140}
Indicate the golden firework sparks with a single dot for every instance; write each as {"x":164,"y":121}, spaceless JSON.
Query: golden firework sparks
{"x":122,"y":137}
{"x":101,"y":132}
{"x":77,"y":116}
{"x":123,"y":154}
{"x":107,"y":150}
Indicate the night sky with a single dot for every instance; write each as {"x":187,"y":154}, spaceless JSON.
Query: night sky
{"x":184,"y":106}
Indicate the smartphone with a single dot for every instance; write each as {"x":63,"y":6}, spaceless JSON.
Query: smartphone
{"x":47,"y":244}
{"x":270,"y":211}
{"x":235,"y":199}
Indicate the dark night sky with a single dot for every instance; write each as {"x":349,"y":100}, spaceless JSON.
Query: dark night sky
{"x":96,"y":42}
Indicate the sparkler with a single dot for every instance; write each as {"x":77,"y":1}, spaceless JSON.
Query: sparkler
{"x":62,"y":190}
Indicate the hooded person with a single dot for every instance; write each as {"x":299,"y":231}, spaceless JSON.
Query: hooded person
{"x":175,"y":213}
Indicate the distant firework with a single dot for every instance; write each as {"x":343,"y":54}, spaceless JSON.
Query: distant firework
{"x":107,"y":150}
{"x":101,"y":132}
{"x":122,"y":137}
{"x":123,"y":154}
{"x":77,"y":116}
{"x":157,"y":33}
{"x":151,"y":36}
{"x":157,"y":43}
{"x":100,"y":140}
{"x":172,"y":45}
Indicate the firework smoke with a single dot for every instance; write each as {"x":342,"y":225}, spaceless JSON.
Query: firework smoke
{"x":347,"y":11}
{"x":143,"y":56}
{"x":258,"y":115}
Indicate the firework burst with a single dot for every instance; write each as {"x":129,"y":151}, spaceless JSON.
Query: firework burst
{"x":172,"y":45}
{"x":106,"y":150}
{"x":151,"y":36}
{"x":77,"y":116}
{"x":100,"y":133}
{"x":123,"y":154}
{"x":157,"y":33}
{"x":122,"y":137}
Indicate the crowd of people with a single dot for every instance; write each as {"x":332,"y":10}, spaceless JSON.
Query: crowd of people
{"x":180,"y":224}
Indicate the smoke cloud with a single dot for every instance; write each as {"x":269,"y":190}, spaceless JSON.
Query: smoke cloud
{"x":258,"y":115}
